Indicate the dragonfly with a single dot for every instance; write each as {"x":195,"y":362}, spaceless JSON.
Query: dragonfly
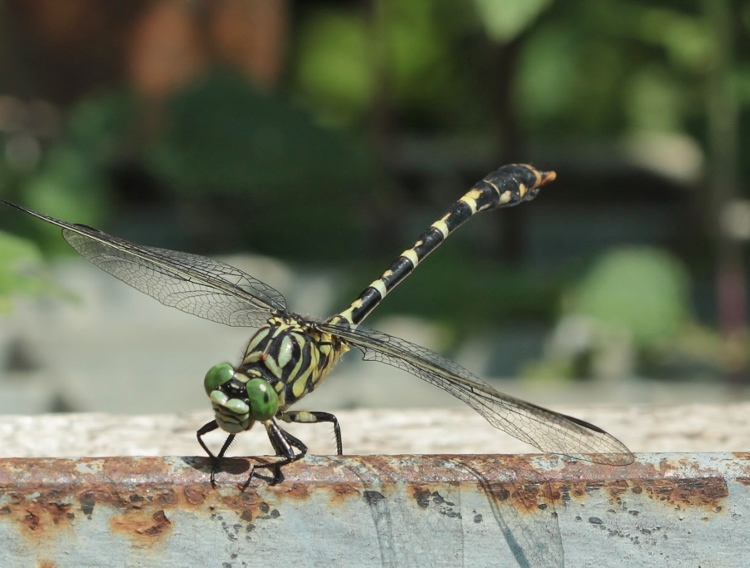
{"x":290,"y":355}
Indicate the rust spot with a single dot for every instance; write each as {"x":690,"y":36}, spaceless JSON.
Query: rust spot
{"x":298,"y":491}
{"x":578,"y":490}
{"x":133,"y":470}
{"x":166,"y":498}
{"x":617,"y":488}
{"x":703,"y":488}
{"x":15,"y":498}
{"x":161,"y":523}
{"x":60,"y":512}
{"x":420,"y":494}
{"x":337,"y":492}
{"x":46,"y":564}
{"x":526,"y":498}
{"x":551,"y":495}
{"x":193,"y":495}
{"x":31,"y":520}
{"x":136,"y":523}
{"x":707,"y":492}
{"x":341,"y":492}
{"x":574,"y":491}
{"x":233,"y":499}
{"x":38,"y":516}
{"x":426,"y":496}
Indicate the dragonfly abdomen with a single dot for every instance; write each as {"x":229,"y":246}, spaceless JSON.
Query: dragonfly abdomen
{"x":505,"y":187}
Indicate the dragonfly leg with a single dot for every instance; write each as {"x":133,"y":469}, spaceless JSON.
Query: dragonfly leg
{"x":210,"y":427}
{"x":309,"y":417}
{"x":284,"y":444}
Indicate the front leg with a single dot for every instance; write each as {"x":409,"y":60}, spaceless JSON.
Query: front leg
{"x":308,"y":417}
{"x":205,"y":429}
{"x":283,"y":443}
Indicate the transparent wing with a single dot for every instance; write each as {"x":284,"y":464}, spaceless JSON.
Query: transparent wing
{"x":544,"y":429}
{"x":194,"y":284}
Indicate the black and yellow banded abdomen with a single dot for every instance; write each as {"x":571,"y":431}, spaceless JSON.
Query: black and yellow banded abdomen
{"x":505,"y":187}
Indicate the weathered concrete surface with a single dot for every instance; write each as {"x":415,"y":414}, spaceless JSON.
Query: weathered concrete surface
{"x":688,"y":428}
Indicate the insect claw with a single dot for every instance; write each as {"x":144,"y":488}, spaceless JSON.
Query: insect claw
{"x":214,"y":469}
{"x":243,"y":486}
{"x":278,"y":477}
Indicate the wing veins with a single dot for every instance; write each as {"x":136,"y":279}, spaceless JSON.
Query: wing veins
{"x":544,"y":429}
{"x":194,"y":284}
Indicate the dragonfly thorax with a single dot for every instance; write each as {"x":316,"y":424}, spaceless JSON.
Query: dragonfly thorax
{"x":292,"y":355}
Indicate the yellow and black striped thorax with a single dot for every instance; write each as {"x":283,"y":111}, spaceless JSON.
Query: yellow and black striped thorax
{"x":292,"y":355}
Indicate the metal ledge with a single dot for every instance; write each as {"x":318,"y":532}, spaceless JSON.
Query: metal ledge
{"x":448,"y":510}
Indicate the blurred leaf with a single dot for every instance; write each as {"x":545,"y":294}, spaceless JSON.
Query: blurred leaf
{"x":335,"y":68}
{"x":403,"y":56}
{"x":545,"y":84}
{"x":655,"y":101}
{"x":68,"y":187}
{"x":642,"y":290}
{"x":100,"y":126}
{"x":685,"y":36}
{"x":224,"y":137}
{"x":20,"y":270}
{"x":229,"y":148}
{"x":419,"y":57}
{"x":506,"y":19}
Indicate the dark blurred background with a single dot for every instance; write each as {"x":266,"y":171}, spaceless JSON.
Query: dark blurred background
{"x":329,"y":134}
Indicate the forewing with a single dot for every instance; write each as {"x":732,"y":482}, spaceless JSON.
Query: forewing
{"x":544,"y":429}
{"x":194,"y":284}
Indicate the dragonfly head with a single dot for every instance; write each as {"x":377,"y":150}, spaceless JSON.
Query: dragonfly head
{"x":237,"y":399}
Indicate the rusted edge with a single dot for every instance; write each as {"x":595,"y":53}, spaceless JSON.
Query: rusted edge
{"x":142,"y":493}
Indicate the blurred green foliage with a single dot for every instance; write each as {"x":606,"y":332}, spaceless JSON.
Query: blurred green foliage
{"x":20,"y":271}
{"x":217,"y":139}
{"x":504,"y":20}
{"x":585,"y":66}
{"x":298,"y":173}
{"x":629,"y":315}
{"x":70,"y":179}
{"x":642,"y":290}
{"x":612,"y":66}
{"x":222,"y":136}
{"x":405,"y":55}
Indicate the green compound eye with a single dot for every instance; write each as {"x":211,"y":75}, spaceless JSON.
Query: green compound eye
{"x":217,"y":376}
{"x":264,"y":402}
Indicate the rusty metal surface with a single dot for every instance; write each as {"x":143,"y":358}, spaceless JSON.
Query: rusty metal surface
{"x":453,"y":510}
